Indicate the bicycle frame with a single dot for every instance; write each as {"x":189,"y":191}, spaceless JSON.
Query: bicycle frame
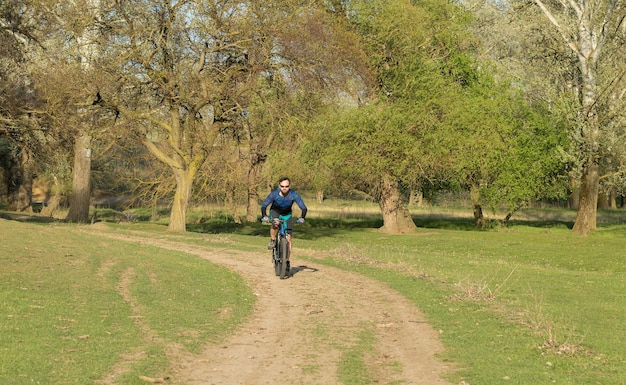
{"x":280,"y":253}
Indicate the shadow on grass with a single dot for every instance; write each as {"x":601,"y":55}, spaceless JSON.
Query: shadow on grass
{"x":314,"y":228}
{"x":444,"y":223}
{"x":30,"y":218}
{"x":467,"y":224}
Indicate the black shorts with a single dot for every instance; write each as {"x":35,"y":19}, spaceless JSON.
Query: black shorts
{"x":276,"y":214}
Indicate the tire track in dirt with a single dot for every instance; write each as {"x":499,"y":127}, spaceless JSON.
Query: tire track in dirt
{"x":301,"y":326}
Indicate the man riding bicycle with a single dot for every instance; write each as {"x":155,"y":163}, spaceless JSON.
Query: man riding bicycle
{"x":281,"y":200}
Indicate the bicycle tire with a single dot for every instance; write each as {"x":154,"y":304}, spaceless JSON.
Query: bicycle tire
{"x":275,"y":259}
{"x":283,"y":249}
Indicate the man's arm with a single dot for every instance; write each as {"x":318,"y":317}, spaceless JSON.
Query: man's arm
{"x":301,"y":205}
{"x":266,"y":202}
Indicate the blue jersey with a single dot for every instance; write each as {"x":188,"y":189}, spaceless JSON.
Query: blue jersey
{"x":283,"y":204}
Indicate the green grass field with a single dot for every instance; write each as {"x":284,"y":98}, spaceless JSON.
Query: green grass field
{"x":74,"y":304}
{"x":527,"y":304}
{"x":523,"y":304}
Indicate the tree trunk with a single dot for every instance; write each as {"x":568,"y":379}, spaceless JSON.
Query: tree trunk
{"x":232,"y":204}
{"x":178,"y":216}
{"x":479,"y":218}
{"x":12,"y":180}
{"x":53,"y":200}
{"x":603,"y":200}
{"x":416,"y":198}
{"x":574,"y":198}
{"x":81,"y":186}
{"x":184,"y":171}
{"x":612,"y":199}
{"x":25,"y":193}
{"x":588,"y":206}
{"x":396,"y":216}
{"x":319,"y":196}
{"x":252,"y":208}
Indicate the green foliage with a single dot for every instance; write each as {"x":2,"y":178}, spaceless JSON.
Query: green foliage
{"x":418,"y":53}
{"x":439,"y":117}
{"x":414,"y":47}
{"x":508,"y":149}
{"x":363,"y":144}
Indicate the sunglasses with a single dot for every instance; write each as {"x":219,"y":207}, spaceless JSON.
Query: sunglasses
{"x":281,"y":186}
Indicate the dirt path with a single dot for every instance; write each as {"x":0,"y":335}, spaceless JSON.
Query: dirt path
{"x":302,"y":326}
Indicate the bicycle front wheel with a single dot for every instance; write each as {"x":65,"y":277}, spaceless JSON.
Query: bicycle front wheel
{"x":276,"y":260}
{"x":283,"y":249}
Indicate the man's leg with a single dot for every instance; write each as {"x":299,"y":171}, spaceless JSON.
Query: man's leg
{"x":273,"y":233}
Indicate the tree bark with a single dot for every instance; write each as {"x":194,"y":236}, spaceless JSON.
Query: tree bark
{"x":319,"y":196}
{"x":25,"y":192}
{"x":604,"y":200}
{"x":81,"y":186}
{"x":178,"y":216}
{"x":574,"y":198}
{"x":396,"y":216}
{"x":612,"y":198}
{"x":479,"y":218}
{"x":12,"y":180}
{"x":53,"y":200}
{"x":416,"y":198}
{"x":590,"y":177}
{"x":252,"y":208}
{"x":588,"y":204}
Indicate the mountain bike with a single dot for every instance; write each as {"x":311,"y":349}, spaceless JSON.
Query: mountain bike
{"x":280,"y":252}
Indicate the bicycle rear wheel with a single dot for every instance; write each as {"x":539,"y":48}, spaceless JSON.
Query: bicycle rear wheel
{"x":283,"y":249}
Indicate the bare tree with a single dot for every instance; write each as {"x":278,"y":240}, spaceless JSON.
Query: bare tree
{"x":88,"y":52}
{"x":188,"y":73}
{"x":20,"y":134}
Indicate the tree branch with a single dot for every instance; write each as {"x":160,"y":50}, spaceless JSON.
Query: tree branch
{"x":555,"y":22}
{"x":575,"y":7}
{"x":162,"y":156}
{"x":603,"y":30}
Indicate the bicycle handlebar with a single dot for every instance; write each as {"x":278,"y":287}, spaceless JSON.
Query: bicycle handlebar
{"x":268,"y":220}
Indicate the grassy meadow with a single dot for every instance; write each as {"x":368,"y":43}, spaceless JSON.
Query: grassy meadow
{"x":531,"y":303}
{"x":73,"y":305}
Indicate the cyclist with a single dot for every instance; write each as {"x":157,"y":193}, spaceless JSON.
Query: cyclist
{"x":282,"y":200}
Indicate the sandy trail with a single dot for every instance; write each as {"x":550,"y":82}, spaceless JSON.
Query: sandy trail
{"x":301,"y":327}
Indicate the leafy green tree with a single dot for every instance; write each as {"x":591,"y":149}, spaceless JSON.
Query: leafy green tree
{"x":520,"y":156}
{"x":569,"y":54}
{"x":373,"y":149}
{"x":421,"y":56}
